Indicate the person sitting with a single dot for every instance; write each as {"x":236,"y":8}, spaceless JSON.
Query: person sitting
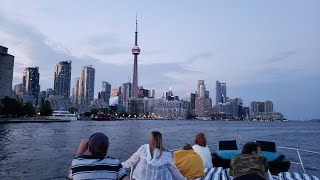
{"x":200,"y":147}
{"x":153,"y":162}
{"x":188,"y":162}
{"x":249,"y":164}
{"x":96,"y":165}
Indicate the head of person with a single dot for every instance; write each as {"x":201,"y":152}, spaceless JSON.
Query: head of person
{"x":155,"y":141}
{"x":251,"y":148}
{"x":98,"y":144}
{"x":200,"y":139}
{"x":187,"y":147}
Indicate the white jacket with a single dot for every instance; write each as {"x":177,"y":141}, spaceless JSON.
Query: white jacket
{"x":205,"y":155}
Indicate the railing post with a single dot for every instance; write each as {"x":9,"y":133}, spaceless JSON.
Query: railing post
{"x":131,"y":172}
{"x":301,"y":162}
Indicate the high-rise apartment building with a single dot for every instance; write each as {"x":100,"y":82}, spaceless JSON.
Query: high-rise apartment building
{"x":221,"y":92}
{"x":203,"y":104}
{"x":76,"y":92}
{"x":200,"y":82}
{"x":86,"y":90}
{"x":126,"y":92}
{"x":106,"y":92}
{"x":30,"y":83}
{"x":6,"y":72}
{"x":62,"y":78}
{"x":261,"y":107}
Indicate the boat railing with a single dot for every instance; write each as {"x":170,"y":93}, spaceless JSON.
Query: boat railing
{"x":300,"y":159}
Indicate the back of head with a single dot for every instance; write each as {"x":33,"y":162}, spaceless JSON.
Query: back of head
{"x":155,"y":141}
{"x":250,"y":147}
{"x":200,"y":139}
{"x":187,"y":147}
{"x":98,"y":144}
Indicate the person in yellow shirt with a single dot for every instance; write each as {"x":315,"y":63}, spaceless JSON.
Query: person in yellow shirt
{"x":188,"y":162}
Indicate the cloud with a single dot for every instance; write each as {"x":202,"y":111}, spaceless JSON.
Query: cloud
{"x":281,"y":56}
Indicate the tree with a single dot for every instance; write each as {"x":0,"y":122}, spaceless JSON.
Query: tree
{"x":46,"y":109}
{"x":28,"y":109}
{"x":94,"y":111}
{"x":11,"y":107}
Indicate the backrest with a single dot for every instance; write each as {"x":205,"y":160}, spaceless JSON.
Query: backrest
{"x":228,"y":145}
{"x":267,"y":146}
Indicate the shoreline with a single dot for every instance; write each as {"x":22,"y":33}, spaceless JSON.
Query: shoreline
{"x":29,"y":120}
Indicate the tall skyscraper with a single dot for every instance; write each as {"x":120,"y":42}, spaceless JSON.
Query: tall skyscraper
{"x":126,"y":92}
{"x":106,"y":92}
{"x":6,"y":72}
{"x":203,"y":104}
{"x":86,"y":93}
{"x":30,"y":83}
{"x":135,"y":52}
{"x":62,"y":78}
{"x":76,"y":92}
{"x":200,"y":82}
{"x":221,"y":92}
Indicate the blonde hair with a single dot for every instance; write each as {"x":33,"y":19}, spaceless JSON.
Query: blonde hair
{"x":155,"y":141}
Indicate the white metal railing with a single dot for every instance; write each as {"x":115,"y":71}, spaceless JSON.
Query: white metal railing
{"x":300,"y":159}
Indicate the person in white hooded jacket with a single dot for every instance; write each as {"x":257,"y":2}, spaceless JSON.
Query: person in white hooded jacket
{"x":200,"y":147}
{"x":153,"y":162}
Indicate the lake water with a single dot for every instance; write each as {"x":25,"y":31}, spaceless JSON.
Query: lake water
{"x":45,"y":150}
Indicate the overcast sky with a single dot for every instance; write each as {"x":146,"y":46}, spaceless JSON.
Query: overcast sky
{"x":263,"y":50}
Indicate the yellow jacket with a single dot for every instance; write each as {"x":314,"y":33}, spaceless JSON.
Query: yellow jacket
{"x":189,"y":163}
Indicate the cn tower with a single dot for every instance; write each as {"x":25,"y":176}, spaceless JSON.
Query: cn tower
{"x":135,"y":52}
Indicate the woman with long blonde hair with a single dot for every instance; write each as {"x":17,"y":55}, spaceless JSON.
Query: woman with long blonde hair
{"x":153,"y":162}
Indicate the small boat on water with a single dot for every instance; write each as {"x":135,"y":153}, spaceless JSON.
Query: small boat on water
{"x":62,"y":115}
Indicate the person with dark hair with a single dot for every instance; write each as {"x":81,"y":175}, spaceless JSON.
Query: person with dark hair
{"x":188,"y":162}
{"x":96,"y":165}
{"x":200,"y":147}
{"x":249,"y":165}
{"x":153,"y":162}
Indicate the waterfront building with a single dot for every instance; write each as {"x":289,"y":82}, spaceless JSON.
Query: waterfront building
{"x":143,"y":93}
{"x":200,"y":84}
{"x":76,"y":92}
{"x":221,"y":92}
{"x":203,"y":104}
{"x":261,"y":107}
{"x":135,"y":52}
{"x":163,"y":108}
{"x":233,"y":108}
{"x":106,"y":92}
{"x":268,"y":106}
{"x":135,"y":106}
{"x":62,"y":78}
{"x":6,"y":72}
{"x":58,"y":102}
{"x":126,"y":92}
{"x":115,"y":92}
{"x":18,"y":90}
{"x":30,"y":83}
{"x":152,"y":93}
{"x":86,"y":90}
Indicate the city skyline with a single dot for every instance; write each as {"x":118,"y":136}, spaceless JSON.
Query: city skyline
{"x":272,"y":56}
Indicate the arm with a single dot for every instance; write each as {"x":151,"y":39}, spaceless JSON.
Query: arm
{"x":231,"y":166}
{"x":133,"y":160}
{"x":83,"y":146}
{"x":175,"y":172}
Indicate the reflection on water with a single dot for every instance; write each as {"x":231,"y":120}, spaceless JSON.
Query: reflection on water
{"x":30,"y":151}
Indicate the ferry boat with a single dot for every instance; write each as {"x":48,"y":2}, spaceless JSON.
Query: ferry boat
{"x":62,"y":115}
